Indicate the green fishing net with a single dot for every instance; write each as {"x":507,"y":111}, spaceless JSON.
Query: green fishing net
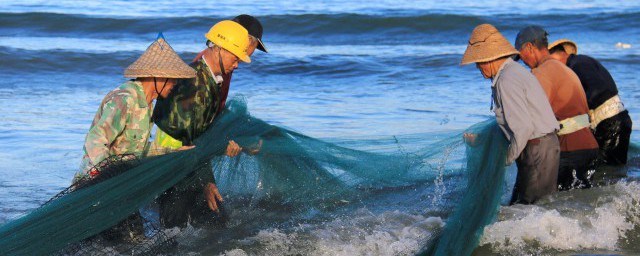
{"x":290,"y":169}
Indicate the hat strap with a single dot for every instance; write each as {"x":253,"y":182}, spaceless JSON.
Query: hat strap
{"x":155,"y":86}
{"x":220,"y":62}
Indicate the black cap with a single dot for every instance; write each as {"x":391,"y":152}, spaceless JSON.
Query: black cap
{"x":253,"y":26}
{"x":530,"y":34}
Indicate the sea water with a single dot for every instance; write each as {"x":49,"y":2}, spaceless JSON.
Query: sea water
{"x":339,"y":70}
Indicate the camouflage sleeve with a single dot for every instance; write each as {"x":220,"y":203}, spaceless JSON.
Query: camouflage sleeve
{"x":174,"y":115}
{"x":104,"y":131}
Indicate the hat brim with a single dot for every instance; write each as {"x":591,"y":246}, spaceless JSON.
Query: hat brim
{"x":572,"y":49}
{"x":261,"y":45}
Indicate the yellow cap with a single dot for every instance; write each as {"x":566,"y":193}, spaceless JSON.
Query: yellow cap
{"x":232,"y":37}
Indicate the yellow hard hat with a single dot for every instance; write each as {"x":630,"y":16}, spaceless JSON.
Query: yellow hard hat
{"x":232,"y":37}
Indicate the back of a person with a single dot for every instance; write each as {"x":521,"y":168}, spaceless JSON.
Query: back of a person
{"x":568,"y":99}
{"x":542,"y":114}
{"x":598,"y":84}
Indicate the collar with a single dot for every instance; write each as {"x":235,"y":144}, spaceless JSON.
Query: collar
{"x":509,"y":61}
{"x":141,"y":98}
{"x":217,"y":79}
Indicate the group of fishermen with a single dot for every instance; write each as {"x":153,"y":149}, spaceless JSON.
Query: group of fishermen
{"x":561,"y":119}
{"x":188,"y":98}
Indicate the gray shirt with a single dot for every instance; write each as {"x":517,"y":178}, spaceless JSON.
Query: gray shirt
{"x":522,"y":109}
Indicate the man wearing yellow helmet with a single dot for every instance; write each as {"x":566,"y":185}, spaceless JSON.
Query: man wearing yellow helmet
{"x":189,"y":111}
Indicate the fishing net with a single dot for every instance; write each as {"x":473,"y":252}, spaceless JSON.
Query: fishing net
{"x":291,"y":170}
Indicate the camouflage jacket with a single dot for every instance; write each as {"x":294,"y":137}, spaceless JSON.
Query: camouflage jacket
{"x":192,"y":105}
{"x":122,"y":125}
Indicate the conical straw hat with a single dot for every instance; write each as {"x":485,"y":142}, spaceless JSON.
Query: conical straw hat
{"x":160,"y":60}
{"x":486,"y":44}
{"x":569,"y":46}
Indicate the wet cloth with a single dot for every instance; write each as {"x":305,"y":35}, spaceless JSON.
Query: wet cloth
{"x":122,"y":125}
{"x":521,"y":107}
{"x":537,"y":170}
{"x":612,"y":134}
{"x":567,"y":99}
{"x":576,"y":168}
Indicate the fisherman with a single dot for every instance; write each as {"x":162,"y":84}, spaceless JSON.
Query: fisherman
{"x":522,"y":112}
{"x":122,"y":125}
{"x":579,"y":149}
{"x":185,"y":115}
{"x":610,"y":121}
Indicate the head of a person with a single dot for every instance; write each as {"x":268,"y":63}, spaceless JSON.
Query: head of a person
{"x":254,"y":27}
{"x":562,"y":48}
{"x":160,"y":67}
{"x":532,"y":44}
{"x":485,"y":48}
{"x":230,"y":42}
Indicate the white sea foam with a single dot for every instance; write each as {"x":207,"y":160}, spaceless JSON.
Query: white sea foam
{"x":568,"y":222}
{"x":388,"y":233}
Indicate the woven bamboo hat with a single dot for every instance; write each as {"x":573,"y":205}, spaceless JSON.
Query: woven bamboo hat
{"x":486,"y":44}
{"x":160,"y":60}
{"x":569,"y":46}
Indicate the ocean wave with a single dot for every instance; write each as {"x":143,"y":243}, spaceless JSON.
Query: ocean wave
{"x":168,"y":8}
{"x":314,"y":27}
{"x":362,"y":233}
{"x":595,"y":219}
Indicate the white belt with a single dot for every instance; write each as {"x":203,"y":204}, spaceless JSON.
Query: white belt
{"x":609,"y":108}
{"x":573,"y":124}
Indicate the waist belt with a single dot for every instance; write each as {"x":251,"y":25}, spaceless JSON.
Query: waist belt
{"x":573,"y":124}
{"x":609,"y":108}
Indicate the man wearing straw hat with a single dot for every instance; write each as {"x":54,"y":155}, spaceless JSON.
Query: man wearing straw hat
{"x":610,"y":121}
{"x":579,"y":149}
{"x":522,"y":112}
{"x":123,"y":124}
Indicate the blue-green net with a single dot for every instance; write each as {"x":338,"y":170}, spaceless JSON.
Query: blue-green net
{"x":291,"y":169}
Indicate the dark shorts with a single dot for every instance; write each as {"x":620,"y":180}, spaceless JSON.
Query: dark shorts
{"x":576,"y":168}
{"x":537,"y":170}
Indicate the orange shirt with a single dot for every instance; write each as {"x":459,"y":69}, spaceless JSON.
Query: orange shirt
{"x":567,"y":98}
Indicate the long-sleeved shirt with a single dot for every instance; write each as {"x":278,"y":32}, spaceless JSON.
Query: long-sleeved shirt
{"x":595,"y":79}
{"x":521,"y":107}
{"x":122,"y":125}
{"x":192,"y":106}
{"x":567,"y":98}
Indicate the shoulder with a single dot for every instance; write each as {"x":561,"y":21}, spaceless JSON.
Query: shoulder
{"x":551,"y":69}
{"x":582,"y":62}
{"x":122,"y":96}
{"x":514,"y":73}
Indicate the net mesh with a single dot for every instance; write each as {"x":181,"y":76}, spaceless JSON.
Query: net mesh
{"x":291,"y":169}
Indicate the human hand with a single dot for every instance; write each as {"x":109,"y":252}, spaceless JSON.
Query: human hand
{"x":255,"y":149}
{"x":186,"y":147}
{"x":213,"y":196}
{"x":470,"y":138}
{"x":233,"y":149}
